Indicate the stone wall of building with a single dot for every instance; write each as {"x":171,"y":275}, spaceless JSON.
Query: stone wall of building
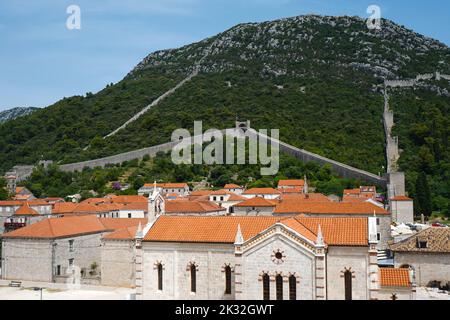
{"x":401,"y":293}
{"x":117,"y":267}
{"x":427,"y":266}
{"x":210,"y":259}
{"x":402,"y":211}
{"x":38,"y":260}
{"x":355,"y":259}
{"x":26,"y":259}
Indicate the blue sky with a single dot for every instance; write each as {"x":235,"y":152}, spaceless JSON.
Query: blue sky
{"x":42,"y":61}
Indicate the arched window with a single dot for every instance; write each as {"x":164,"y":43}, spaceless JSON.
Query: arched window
{"x":292,"y":288}
{"x":348,"y":284}
{"x":266,"y":286}
{"x":160,"y":276}
{"x":279,"y":284}
{"x":227,"y":280}
{"x":193,"y":278}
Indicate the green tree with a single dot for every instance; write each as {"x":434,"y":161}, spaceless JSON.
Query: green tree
{"x":423,"y":196}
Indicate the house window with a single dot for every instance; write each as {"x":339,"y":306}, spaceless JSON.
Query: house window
{"x":279,"y":285}
{"x":221,"y":198}
{"x":71,"y":262}
{"x":378,"y":236}
{"x":421,"y":243}
{"x":193,"y":278}
{"x":214,"y":198}
{"x":58,"y":270}
{"x":227,"y":280}
{"x":160,"y":276}
{"x":348,"y":284}
{"x":129,"y":215}
{"x":266,"y":286}
{"x":292,"y":288}
{"x":70,"y":245}
{"x":378,"y":221}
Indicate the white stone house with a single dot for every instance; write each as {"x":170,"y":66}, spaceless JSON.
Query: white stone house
{"x":266,"y":193}
{"x":297,"y":258}
{"x":255,"y":207}
{"x":402,"y":209}
{"x":427,"y":254}
{"x":55,"y":250}
{"x":231,"y":187}
{"x":181,"y":189}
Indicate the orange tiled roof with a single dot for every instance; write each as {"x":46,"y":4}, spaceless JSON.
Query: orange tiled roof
{"x":135,"y":206}
{"x":291,"y":190}
{"x":123,"y":233}
{"x":401,"y":198}
{"x":25,"y":210}
{"x":208,"y":229}
{"x":313,"y":197}
{"x":19,"y":189}
{"x":199,"y":193}
{"x":236,"y":197}
{"x":63,"y":207}
{"x":232,"y":186}
{"x":390,"y":277}
{"x":71,"y":226}
{"x":256,"y":202}
{"x":293,"y":206}
{"x":10,"y":203}
{"x":185,"y":206}
{"x":352,"y":191}
{"x":96,"y":200}
{"x":167,"y":185}
{"x":261,"y":191}
{"x":291,"y":183}
{"x":129,"y":199}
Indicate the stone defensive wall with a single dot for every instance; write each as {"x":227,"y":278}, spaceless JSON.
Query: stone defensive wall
{"x":342,"y":169}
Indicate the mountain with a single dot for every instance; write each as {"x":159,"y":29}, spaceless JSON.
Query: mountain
{"x":14,"y":113}
{"x":316,"y":78}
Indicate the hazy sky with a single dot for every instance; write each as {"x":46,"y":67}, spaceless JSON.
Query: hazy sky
{"x":42,"y":61}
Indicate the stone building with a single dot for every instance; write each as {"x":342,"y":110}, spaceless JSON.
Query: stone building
{"x":293,"y":186}
{"x":255,"y":207}
{"x":9,"y":208}
{"x":181,"y":189}
{"x":427,"y":253}
{"x":54,"y":250}
{"x":235,"y":257}
{"x":402,"y":209}
{"x":266,"y":193}
{"x":231,"y":187}
{"x":396,"y":284}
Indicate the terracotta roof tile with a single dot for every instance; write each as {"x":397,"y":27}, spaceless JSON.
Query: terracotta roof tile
{"x":313,"y":197}
{"x":293,"y":206}
{"x":291,"y":183}
{"x":257,"y":202}
{"x":63,"y":207}
{"x":390,"y":277}
{"x":401,"y":198}
{"x":232,"y":186}
{"x":261,"y":191}
{"x":186,"y":206}
{"x":336,"y":231}
{"x":129,"y":199}
{"x":25,"y":210}
{"x":437,"y":239}
{"x":71,"y":226}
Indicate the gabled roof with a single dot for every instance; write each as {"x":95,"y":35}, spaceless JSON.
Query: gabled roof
{"x":122,"y":234}
{"x":25,"y":210}
{"x":261,"y":191}
{"x":312,"y":197}
{"x":208,"y":229}
{"x":401,"y":198}
{"x":232,"y":186}
{"x":292,"y":206}
{"x":168,"y":185}
{"x":291,"y":190}
{"x":128,"y":199}
{"x":437,"y":239}
{"x":257,"y":202}
{"x":63,"y":207}
{"x":291,"y":183}
{"x":394,"y":277}
{"x":135,"y":206}
{"x":52,"y":228}
{"x":186,"y":206}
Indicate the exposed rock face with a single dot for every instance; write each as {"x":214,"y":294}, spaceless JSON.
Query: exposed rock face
{"x":14,"y":113}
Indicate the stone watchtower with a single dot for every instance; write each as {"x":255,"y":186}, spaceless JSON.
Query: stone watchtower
{"x":243,"y":125}
{"x":11,"y":179}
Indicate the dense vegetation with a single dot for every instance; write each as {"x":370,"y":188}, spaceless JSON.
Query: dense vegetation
{"x":422,"y":120}
{"x":52,"y":182}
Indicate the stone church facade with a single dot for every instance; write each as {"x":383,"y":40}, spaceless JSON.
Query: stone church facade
{"x":242,"y":258}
